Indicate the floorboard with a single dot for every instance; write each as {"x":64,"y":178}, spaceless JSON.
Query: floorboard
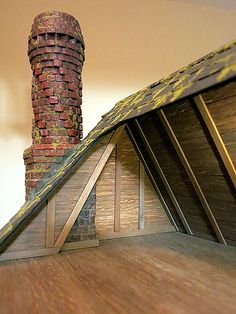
{"x":164,"y":273}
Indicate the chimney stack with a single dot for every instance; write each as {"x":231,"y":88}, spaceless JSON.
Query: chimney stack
{"x":56,"y":54}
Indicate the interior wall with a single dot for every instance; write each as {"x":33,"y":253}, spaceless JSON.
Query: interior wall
{"x":155,"y":218}
{"x":202,"y":154}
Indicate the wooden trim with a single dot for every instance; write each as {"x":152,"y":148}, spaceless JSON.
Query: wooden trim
{"x":212,"y":128}
{"x":117,"y":187}
{"x":27,"y":254}
{"x":92,"y":180}
{"x":80,"y":245}
{"x":149,"y":229}
{"x":191,"y":176}
{"x":141,"y":196}
{"x":163,"y":178}
{"x":162,"y":200}
{"x":51,"y":209}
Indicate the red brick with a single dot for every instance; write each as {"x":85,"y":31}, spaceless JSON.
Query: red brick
{"x":54,"y":152}
{"x":55,"y":124}
{"x":63,"y":71}
{"x":57,"y":63}
{"x":59,"y":108}
{"x":63,"y":116}
{"x":53,"y":99}
{"x":41,"y":124}
{"x":74,"y":140}
{"x":42,"y":77}
{"x":37,"y":71}
{"x":68,"y":124}
{"x":72,"y":86}
{"x":49,"y":92}
{"x":44,"y":132}
{"x":68,"y":78}
{"x":73,"y":132}
{"x":43,"y":85}
{"x":66,"y":94}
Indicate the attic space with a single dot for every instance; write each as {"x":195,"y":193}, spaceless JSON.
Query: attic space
{"x":139,"y":216}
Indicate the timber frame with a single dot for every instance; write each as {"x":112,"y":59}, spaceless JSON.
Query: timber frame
{"x":189,"y":204}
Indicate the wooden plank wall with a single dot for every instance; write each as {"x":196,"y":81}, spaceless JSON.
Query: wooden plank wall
{"x":194,"y":138}
{"x":204,"y":158}
{"x":154,"y":215}
{"x":105,"y":198}
{"x":129,"y":196}
{"x":221,"y":102}
{"x":154,"y":212}
{"x":32,"y":237}
{"x":38,"y":238}
{"x":176,"y":175}
{"x":69,"y":192}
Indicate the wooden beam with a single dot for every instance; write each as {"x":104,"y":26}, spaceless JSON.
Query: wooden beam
{"x":162,"y":200}
{"x":117,"y":187}
{"x":80,"y":245}
{"x":50,"y":222}
{"x":27,"y":254}
{"x":191,"y":176}
{"x":149,"y":229}
{"x":141,"y":196}
{"x":92,"y":180}
{"x":163,"y":178}
{"x":212,"y":128}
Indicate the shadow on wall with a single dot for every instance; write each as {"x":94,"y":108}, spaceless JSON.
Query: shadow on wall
{"x":15,"y":131}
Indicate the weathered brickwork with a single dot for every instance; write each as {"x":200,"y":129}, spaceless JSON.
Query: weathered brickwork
{"x":56,"y":54}
{"x":84,"y":227}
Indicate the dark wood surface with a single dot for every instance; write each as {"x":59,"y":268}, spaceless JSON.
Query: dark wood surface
{"x":206,"y":163}
{"x":176,"y":175}
{"x":168,"y":273}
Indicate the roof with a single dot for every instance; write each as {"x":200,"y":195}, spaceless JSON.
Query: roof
{"x":215,"y":68}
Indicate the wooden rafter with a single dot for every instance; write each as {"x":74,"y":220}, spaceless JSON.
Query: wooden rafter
{"x":163,"y":178}
{"x":191,"y":176}
{"x":92,"y":180}
{"x":50,"y":222}
{"x":162,"y":200}
{"x":212,"y":128}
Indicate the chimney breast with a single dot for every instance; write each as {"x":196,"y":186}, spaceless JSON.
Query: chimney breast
{"x":56,"y":54}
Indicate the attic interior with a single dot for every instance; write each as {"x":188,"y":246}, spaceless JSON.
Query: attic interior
{"x":141,"y":213}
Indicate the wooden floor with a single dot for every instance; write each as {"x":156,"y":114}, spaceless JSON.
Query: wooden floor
{"x":165,"y":273}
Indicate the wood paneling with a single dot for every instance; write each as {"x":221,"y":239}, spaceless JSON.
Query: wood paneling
{"x":153,"y":210}
{"x":69,"y":192}
{"x":155,"y":219}
{"x":105,"y":197}
{"x":206,"y":163}
{"x":220,"y":102}
{"x":33,"y":236}
{"x":51,"y":207}
{"x":117,"y":186}
{"x":88,"y":187}
{"x":141,"y":220}
{"x":175,"y":174}
{"x":154,"y":178}
{"x":129,"y":199}
{"x":216,"y":137}
{"x":191,"y":176}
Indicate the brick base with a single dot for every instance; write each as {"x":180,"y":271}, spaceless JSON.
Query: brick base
{"x":39,"y":160}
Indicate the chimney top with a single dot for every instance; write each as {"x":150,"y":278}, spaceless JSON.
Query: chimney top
{"x":56,"y":22}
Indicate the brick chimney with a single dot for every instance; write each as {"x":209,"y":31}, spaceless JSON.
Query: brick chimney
{"x":56,"y":54}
